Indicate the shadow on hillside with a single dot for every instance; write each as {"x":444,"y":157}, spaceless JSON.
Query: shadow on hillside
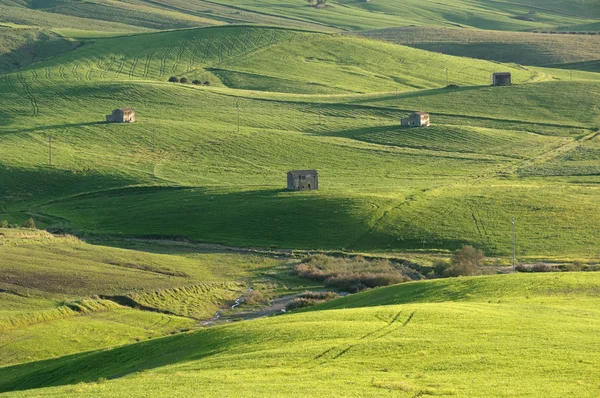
{"x":117,"y":362}
{"x":22,"y":187}
{"x":414,"y":94}
{"x":267,"y":218}
{"x":52,"y":127}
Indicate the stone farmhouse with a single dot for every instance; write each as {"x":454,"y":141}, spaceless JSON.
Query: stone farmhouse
{"x":121,"y":115}
{"x":417,"y":119}
{"x":502,"y":79}
{"x":302,"y":180}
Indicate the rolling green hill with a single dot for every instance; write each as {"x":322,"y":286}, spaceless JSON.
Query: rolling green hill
{"x":465,"y":337}
{"x":59,"y":295}
{"x":552,"y":50}
{"x":184,"y":170}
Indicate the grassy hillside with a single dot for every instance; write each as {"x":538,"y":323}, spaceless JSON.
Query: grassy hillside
{"x":560,"y":51}
{"x":184,"y":170}
{"x":436,"y":344}
{"x":59,"y":295}
{"x":498,"y":15}
{"x":21,"y":47}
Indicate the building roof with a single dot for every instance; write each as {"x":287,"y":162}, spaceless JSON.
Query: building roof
{"x":125,"y":110}
{"x":302,"y":172}
{"x":502,"y":74}
{"x":421,"y":113}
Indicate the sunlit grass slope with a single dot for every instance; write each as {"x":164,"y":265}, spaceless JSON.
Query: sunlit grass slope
{"x":60,"y":296}
{"x":556,"y":50}
{"x":358,"y":15}
{"x":487,"y":337}
{"x":272,"y":59}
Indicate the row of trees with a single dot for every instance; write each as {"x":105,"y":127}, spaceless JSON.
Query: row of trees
{"x":29,"y":223}
{"x":184,"y":80}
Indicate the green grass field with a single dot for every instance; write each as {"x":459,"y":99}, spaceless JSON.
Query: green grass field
{"x":579,"y":52}
{"x":155,"y":237}
{"x":185,"y":171}
{"x":485,"y":336}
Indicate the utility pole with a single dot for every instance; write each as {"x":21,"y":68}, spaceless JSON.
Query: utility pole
{"x":514,"y":252}
{"x":320,"y":116}
{"x":49,"y":150}
{"x":237,"y":108}
{"x":447,"y":77}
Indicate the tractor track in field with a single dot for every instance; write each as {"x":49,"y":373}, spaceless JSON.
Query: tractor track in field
{"x":343,"y":349}
{"x":207,"y":49}
{"x":147,"y":63}
{"x":29,"y":95}
{"x":133,"y":66}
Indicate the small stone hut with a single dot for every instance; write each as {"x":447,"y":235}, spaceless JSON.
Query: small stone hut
{"x":121,"y":115}
{"x":502,"y":79}
{"x":302,"y":180}
{"x":417,"y":119}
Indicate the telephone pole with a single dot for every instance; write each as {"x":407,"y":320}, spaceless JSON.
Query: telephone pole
{"x":237,"y":108}
{"x":447,"y":77}
{"x":49,"y":150}
{"x":514,"y":252}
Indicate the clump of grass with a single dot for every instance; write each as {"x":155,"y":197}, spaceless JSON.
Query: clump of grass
{"x":352,"y":275}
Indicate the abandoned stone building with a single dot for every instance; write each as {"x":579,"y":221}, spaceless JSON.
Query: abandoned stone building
{"x":121,"y":115}
{"x":502,"y":79}
{"x":302,"y":180}
{"x":417,"y":119}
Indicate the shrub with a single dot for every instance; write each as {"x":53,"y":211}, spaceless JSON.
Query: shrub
{"x":206,"y":83}
{"x":29,"y":223}
{"x":522,"y":268}
{"x":351,"y":275}
{"x":465,"y":262}
{"x":355,"y":282}
{"x":174,"y":79}
{"x":4,"y":224}
{"x":183,"y":80}
{"x":255,"y":297}
{"x":308,"y":299}
{"x":196,"y":82}
{"x":541,"y":267}
{"x":300,"y":303}
{"x":326,"y":296}
{"x":573,"y":267}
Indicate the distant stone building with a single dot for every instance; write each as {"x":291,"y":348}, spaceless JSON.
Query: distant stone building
{"x":502,"y":79}
{"x":302,"y":180}
{"x":417,"y":119}
{"x":121,"y":115}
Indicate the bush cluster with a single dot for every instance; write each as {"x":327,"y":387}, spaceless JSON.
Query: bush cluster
{"x":352,"y":275}
{"x":539,"y":267}
{"x":185,"y":80}
{"x":308,"y":299}
{"x":465,"y":262}
{"x":29,"y":223}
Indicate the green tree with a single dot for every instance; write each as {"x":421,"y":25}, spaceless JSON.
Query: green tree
{"x":29,"y":223}
{"x":4,"y":224}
